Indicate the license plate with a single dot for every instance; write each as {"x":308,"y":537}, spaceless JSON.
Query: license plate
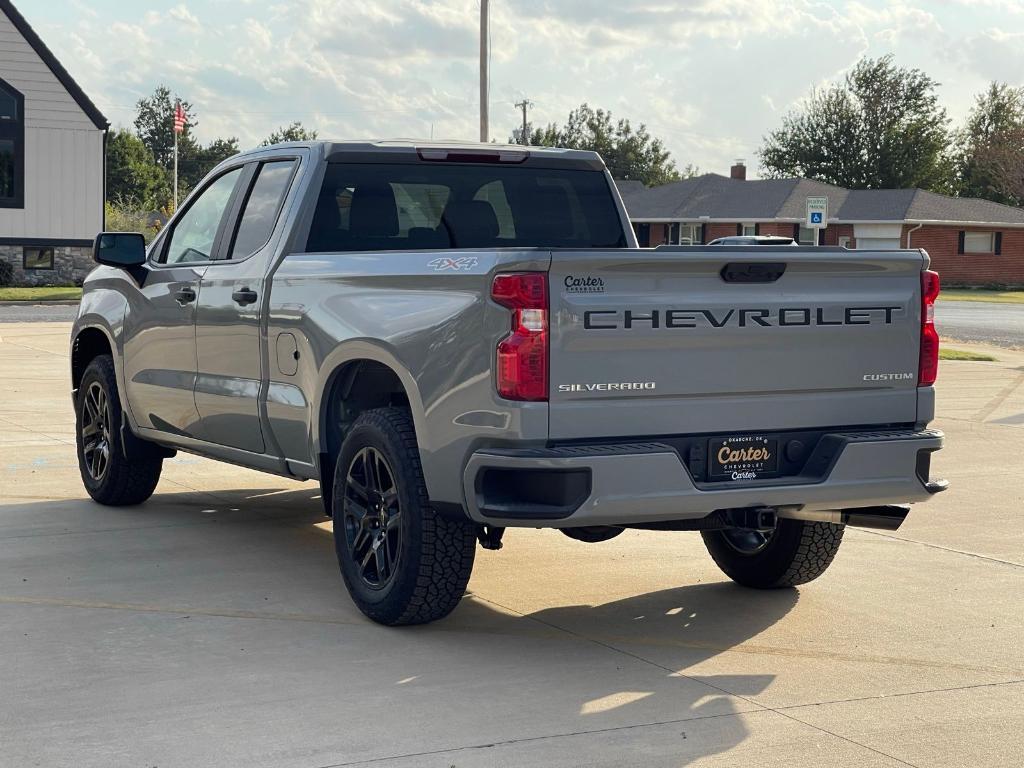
{"x":743,"y":458}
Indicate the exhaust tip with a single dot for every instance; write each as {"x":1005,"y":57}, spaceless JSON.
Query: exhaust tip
{"x":888,"y":517}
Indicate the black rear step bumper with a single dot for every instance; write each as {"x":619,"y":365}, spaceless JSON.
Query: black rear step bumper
{"x":623,"y":484}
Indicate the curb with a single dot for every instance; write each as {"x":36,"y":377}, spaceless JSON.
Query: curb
{"x":31,"y":303}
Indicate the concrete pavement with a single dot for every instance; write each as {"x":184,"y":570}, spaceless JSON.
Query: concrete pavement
{"x":210,"y":627}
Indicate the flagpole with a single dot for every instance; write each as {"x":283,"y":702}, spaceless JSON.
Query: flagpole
{"x":175,"y":168}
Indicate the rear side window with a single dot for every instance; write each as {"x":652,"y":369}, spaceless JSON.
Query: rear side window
{"x":385,"y":207}
{"x":261,"y":209}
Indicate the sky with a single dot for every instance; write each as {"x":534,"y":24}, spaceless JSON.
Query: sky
{"x":709,"y":77}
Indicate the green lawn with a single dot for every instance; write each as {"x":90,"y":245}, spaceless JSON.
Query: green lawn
{"x":977,"y":294}
{"x":958,"y":354}
{"x":40,"y":294}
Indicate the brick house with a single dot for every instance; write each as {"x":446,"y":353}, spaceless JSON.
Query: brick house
{"x":971,"y":242}
{"x":52,"y":156}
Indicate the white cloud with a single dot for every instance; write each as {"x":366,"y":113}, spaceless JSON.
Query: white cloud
{"x":710,"y":77}
{"x":182,"y":14}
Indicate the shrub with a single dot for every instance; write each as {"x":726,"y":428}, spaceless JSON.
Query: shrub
{"x":122,"y":216}
{"x":6,"y":273}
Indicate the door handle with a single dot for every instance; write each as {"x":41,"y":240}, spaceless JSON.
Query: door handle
{"x":244,"y":296}
{"x":185,"y":296}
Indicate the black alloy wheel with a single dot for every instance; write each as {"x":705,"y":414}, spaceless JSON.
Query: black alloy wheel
{"x":372,"y":516}
{"x":96,"y":444}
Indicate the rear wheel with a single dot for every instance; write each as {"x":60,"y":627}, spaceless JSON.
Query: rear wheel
{"x":401,"y":561}
{"x":795,"y":552}
{"x":110,"y":477}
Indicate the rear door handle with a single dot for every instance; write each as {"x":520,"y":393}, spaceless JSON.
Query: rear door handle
{"x":185,"y":295}
{"x":244,"y":296}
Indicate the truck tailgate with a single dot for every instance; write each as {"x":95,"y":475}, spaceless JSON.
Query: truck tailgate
{"x":706,"y":341}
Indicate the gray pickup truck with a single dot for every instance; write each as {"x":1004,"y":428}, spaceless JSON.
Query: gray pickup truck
{"x":458,"y":339}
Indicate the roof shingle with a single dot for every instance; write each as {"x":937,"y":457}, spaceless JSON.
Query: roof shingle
{"x":718,"y":197}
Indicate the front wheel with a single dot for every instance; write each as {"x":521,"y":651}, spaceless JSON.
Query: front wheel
{"x":110,"y":476}
{"x":796,"y":552}
{"x":401,"y":561}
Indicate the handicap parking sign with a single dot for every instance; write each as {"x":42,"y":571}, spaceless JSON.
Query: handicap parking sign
{"x":817,"y":212}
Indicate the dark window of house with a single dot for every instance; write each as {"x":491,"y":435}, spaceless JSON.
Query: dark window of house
{"x":8,"y":105}
{"x":643,"y":235}
{"x":12,"y":147}
{"x":387,"y":207}
{"x":261,"y":209}
{"x":37,"y":258}
{"x":6,"y":168}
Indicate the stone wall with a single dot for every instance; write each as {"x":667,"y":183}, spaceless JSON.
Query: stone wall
{"x":70,"y":266}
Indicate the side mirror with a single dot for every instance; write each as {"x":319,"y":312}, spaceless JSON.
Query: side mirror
{"x":120,"y":249}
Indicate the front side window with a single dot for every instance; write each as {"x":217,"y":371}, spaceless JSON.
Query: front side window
{"x":261,"y":209}
{"x":195,"y":233}
{"x":388,"y":207}
{"x":12,"y":147}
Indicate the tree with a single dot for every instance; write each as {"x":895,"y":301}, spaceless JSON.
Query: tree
{"x":154,"y":124}
{"x":882,"y":128}
{"x":294,"y":132}
{"x":990,"y":146}
{"x":629,"y":153}
{"x":133,"y":177}
{"x":200,"y":160}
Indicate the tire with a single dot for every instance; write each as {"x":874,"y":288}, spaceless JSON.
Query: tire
{"x":110,"y":477}
{"x":401,"y":562}
{"x":796,"y":552}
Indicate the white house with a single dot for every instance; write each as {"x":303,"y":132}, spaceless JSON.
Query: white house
{"x":52,"y":157}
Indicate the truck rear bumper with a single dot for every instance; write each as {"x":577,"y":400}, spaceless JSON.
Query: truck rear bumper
{"x":631,"y":483}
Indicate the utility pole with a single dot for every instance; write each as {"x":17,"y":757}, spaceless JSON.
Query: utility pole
{"x":484,"y":75}
{"x":524,"y":137}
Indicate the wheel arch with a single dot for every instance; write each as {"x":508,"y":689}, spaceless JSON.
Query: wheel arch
{"x":89,"y":342}
{"x":356,"y":378}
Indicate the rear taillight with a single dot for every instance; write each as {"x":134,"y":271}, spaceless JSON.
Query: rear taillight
{"x":522,"y":361}
{"x":928,"y":368}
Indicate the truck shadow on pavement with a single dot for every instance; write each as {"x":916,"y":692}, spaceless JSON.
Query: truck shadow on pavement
{"x":523,"y":682}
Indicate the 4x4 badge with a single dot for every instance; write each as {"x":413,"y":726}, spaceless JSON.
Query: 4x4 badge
{"x":462,"y":264}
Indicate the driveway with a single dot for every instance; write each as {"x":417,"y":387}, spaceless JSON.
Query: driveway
{"x":981,"y":322}
{"x":209,"y":626}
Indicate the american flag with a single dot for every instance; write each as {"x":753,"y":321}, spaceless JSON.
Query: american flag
{"x":179,"y":118}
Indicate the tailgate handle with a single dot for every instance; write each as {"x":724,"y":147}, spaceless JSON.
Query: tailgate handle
{"x":755,"y":272}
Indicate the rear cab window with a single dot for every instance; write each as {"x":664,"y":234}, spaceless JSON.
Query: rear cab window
{"x":262,"y":207}
{"x":413,"y":206}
